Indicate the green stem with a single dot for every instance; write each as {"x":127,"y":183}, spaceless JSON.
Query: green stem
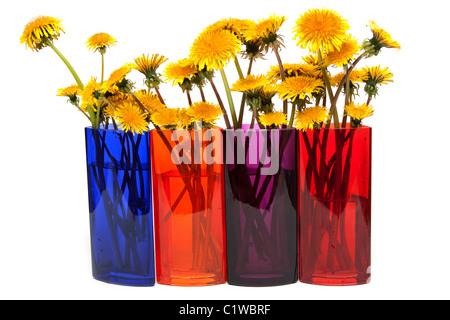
{"x":333,"y":109}
{"x":244,"y":95}
{"x":202,"y":94}
{"x":92,"y":116}
{"x":282,"y":75}
{"x":338,"y":91}
{"x":219,"y":100}
{"x":291,"y":121}
{"x":238,"y":68}
{"x":66,"y":62}
{"x":347,"y":96}
{"x":103,"y":66}
{"x":229,"y":97}
{"x":137,"y":101}
{"x":77,"y":79}
{"x":189,"y":97}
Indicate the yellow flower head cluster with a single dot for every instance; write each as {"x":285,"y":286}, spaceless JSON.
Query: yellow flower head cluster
{"x":204,"y":112}
{"x":299,"y":88}
{"x":180,"y":71}
{"x":150,"y":101}
{"x":167,"y":118}
{"x":374,"y":77}
{"x":100,"y":41}
{"x":359,"y":111}
{"x":214,"y":49}
{"x":381,"y":39}
{"x":40,"y":31}
{"x":377,"y":75}
{"x":346,"y":52}
{"x":294,"y":70}
{"x":311,"y":118}
{"x":184,"y":118}
{"x":70,"y":91}
{"x":306,"y":82}
{"x":116,"y":79}
{"x":321,"y":29}
{"x":355,"y":76}
{"x":238,"y":27}
{"x":130,"y":117}
{"x":251,"y":83}
{"x":147,"y":65}
{"x":275,"y":118}
{"x":266,"y":31}
{"x":91,"y":94}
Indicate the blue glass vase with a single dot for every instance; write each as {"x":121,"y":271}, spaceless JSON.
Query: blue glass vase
{"x":120,"y":207}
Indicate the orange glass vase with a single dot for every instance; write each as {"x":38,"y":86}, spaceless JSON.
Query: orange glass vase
{"x":189,"y":210}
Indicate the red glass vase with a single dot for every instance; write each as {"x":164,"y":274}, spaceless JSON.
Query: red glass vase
{"x":189,"y":210}
{"x":335,"y":206}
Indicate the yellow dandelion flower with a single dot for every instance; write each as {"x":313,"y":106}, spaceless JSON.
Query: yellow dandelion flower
{"x":311,"y":118}
{"x":116,"y":79}
{"x":381,"y":39}
{"x":344,"y":54}
{"x":359,"y":111}
{"x":150,"y":101}
{"x":91,"y":94}
{"x":312,"y":59}
{"x":233,"y":25}
{"x":108,"y":111}
{"x":268,"y":91}
{"x":167,"y":117}
{"x":180,"y":71}
{"x":71,"y":91}
{"x":147,"y":65}
{"x":116,"y":100}
{"x":320,"y":29}
{"x":184,"y":118}
{"x":214,"y":49}
{"x":375,"y":76}
{"x":118,"y":97}
{"x":100,"y":42}
{"x":275,"y":118}
{"x":204,"y":111}
{"x":251,"y":83}
{"x":355,"y":76}
{"x":297,"y":88}
{"x":294,"y":70}
{"x":266,"y":30}
{"x":40,"y":30}
{"x":130,"y":117}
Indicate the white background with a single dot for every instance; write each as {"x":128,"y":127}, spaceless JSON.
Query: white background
{"x":44,"y":231}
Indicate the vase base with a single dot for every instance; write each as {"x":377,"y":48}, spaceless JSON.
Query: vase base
{"x":126,"y":280}
{"x":191,"y":279}
{"x":261,"y":280}
{"x":337,"y":279}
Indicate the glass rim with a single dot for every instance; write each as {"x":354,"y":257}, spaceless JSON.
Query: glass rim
{"x":181,"y":129}
{"x":114,"y":130}
{"x":259,"y":129}
{"x":361,"y":127}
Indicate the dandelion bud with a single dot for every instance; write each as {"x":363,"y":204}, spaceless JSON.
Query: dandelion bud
{"x":369,"y":48}
{"x":371,"y":90}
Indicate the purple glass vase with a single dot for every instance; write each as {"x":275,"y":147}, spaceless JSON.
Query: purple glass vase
{"x":261,"y":206}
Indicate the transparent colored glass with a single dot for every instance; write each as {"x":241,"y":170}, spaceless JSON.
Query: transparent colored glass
{"x":261,"y":206}
{"x":189,"y":207}
{"x":335,"y":206}
{"x":120,"y":207}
